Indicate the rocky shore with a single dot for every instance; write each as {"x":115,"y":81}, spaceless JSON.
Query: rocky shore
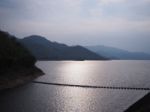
{"x":17,"y":76}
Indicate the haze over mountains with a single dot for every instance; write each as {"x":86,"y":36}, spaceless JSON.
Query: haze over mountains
{"x":116,"y":53}
{"x":44,"y":49}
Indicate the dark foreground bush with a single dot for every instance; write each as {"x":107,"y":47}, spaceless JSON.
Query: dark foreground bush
{"x":13,"y":54}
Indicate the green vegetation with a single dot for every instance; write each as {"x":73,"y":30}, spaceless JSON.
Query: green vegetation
{"x":13,"y":54}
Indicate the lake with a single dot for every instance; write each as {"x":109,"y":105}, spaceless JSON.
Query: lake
{"x":45,"y":97}
{"x":103,"y":73}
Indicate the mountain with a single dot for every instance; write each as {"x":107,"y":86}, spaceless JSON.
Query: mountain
{"x":13,"y":53}
{"x":44,"y":49}
{"x":115,"y":53}
{"x":17,"y":64}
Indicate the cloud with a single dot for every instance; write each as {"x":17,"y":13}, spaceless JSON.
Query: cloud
{"x":105,"y":2}
{"x":56,"y":18}
{"x":117,"y":23}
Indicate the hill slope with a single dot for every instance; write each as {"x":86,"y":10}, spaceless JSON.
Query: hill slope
{"x":13,"y":53}
{"x":115,"y":53}
{"x":17,"y":65}
{"x":44,"y":49}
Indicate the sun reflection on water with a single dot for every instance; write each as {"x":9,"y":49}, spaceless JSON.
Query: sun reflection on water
{"x":76,"y":71}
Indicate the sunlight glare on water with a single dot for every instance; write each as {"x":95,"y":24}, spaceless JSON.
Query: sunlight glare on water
{"x":77,"y":72}
{"x":101,"y":73}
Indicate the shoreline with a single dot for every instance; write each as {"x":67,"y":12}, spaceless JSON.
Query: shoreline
{"x":18,"y":76}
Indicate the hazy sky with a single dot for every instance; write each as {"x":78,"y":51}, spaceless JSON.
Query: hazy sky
{"x":120,"y":23}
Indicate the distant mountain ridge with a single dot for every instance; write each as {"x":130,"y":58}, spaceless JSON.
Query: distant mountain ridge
{"x":116,"y":53}
{"x":44,"y":49}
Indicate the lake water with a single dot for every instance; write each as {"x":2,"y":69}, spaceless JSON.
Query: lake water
{"x":101,"y":73}
{"x":38,"y":97}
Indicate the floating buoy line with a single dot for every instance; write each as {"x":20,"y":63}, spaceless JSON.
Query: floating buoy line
{"x":91,"y":86}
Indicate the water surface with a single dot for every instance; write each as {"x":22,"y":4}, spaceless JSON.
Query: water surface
{"x":37,"y":97}
{"x":101,"y":73}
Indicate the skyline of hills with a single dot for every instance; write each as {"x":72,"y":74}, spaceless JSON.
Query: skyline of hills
{"x":116,"y":53}
{"x":44,"y":49}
